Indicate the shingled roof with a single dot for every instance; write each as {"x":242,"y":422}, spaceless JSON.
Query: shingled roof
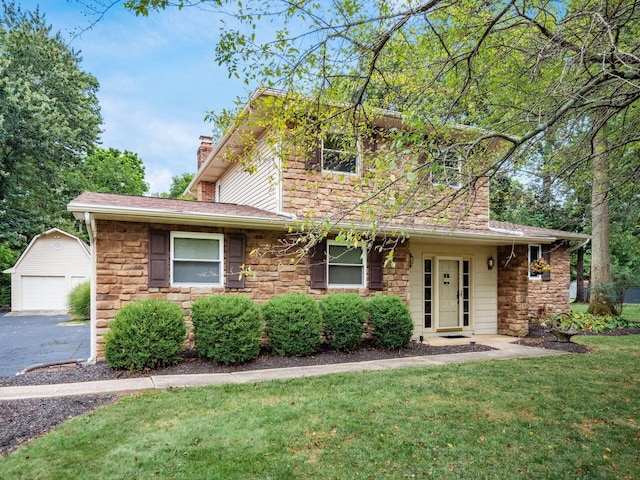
{"x":134,"y":208}
{"x":164,"y":210}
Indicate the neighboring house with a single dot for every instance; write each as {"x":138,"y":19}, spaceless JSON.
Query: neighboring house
{"x":48,"y":269}
{"x":459,"y":272}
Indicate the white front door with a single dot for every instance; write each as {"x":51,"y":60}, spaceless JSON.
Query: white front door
{"x":449,"y":294}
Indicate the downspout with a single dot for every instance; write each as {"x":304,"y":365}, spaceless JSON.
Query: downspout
{"x":90,"y":222}
{"x":578,"y":247}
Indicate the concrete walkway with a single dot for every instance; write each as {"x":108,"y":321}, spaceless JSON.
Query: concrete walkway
{"x":504,"y":350}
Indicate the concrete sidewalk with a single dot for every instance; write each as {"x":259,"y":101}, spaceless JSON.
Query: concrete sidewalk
{"x":504,"y":350}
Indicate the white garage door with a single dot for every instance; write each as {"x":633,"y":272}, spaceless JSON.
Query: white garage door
{"x":43,"y":293}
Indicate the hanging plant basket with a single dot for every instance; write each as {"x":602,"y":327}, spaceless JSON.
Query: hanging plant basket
{"x":539,"y":266}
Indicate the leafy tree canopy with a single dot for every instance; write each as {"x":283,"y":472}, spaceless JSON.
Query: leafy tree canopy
{"x":527,"y":71}
{"x":113,"y":171}
{"x":179,"y":184}
{"x":49,"y":119}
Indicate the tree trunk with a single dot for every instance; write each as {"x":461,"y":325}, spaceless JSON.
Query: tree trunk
{"x":580,"y":275}
{"x":601,"y":283}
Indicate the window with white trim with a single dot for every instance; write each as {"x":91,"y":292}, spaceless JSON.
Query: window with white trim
{"x":339,"y":154}
{"x":535,"y":253}
{"x":346,"y":266}
{"x":196,"y":259}
{"x":447,"y":169}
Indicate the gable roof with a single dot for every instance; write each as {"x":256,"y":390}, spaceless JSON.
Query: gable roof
{"x":109,"y":206}
{"x":85,"y":248}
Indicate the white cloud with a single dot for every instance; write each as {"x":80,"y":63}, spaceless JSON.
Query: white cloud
{"x":167,"y":144}
{"x":158,"y":178}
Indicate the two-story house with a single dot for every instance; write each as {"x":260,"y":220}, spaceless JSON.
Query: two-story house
{"x":459,"y":272}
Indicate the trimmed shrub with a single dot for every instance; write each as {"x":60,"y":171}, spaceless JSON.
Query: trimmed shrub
{"x":294,"y":324}
{"x":145,"y":334}
{"x":391,"y":321}
{"x":343,"y":318}
{"x":80,"y":301}
{"x":227,"y":328}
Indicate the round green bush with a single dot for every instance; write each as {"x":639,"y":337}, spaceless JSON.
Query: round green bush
{"x":391,"y":321}
{"x":80,"y":301}
{"x":145,"y":334}
{"x":343,"y":319}
{"x":227,"y":328}
{"x":294,"y":324}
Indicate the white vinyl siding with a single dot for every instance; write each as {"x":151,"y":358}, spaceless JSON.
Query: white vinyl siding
{"x":258,"y":189}
{"x":47,"y":271}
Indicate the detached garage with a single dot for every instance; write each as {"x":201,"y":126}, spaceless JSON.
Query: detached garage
{"x":47,"y":271}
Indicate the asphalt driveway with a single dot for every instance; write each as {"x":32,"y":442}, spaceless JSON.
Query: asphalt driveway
{"x":29,"y":339}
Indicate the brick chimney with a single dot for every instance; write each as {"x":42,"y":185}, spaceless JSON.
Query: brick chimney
{"x":206,"y":190}
{"x":204,"y":149}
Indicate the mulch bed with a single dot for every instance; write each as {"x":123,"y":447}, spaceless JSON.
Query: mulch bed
{"x":539,"y":336}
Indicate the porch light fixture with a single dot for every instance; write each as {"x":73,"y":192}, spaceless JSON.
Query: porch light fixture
{"x":490,"y":263}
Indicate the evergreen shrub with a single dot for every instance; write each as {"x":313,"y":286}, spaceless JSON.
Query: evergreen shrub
{"x":227,"y":328}
{"x":294,"y":324}
{"x":145,"y":334}
{"x":343,"y":319}
{"x":391,"y":321}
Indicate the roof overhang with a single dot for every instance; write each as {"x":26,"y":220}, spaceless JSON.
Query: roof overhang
{"x":151,"y":215}
{"x":274,"y":223}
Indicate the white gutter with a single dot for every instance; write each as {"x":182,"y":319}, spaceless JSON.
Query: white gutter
{"x":578,"y":247}
{"x":90,"y":222}
{"x":107,"y":211}
{"x":518,"y":233}
{"x":200,"y":218}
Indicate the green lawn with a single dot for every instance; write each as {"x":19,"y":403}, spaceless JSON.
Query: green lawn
{"x":630,"y":311}
{"x":574,"y":416}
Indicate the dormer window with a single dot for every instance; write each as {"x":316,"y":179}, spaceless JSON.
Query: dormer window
{"x":339,"y":154}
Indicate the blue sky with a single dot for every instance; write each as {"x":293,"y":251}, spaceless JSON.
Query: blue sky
{"x":158,"y":79}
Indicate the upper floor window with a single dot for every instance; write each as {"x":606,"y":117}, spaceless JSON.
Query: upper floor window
{"x":339,"y":154}
{"x":196,"y":258}
{"x":447,"y":168}
{"x":346,"y":265}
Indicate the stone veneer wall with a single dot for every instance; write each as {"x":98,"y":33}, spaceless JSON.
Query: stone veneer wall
{"x":122,"y":272}
{"x":553,"y":296}
{"x":520,"y":298}
{"x":513,"y":290}
{"x":322,"y":194}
